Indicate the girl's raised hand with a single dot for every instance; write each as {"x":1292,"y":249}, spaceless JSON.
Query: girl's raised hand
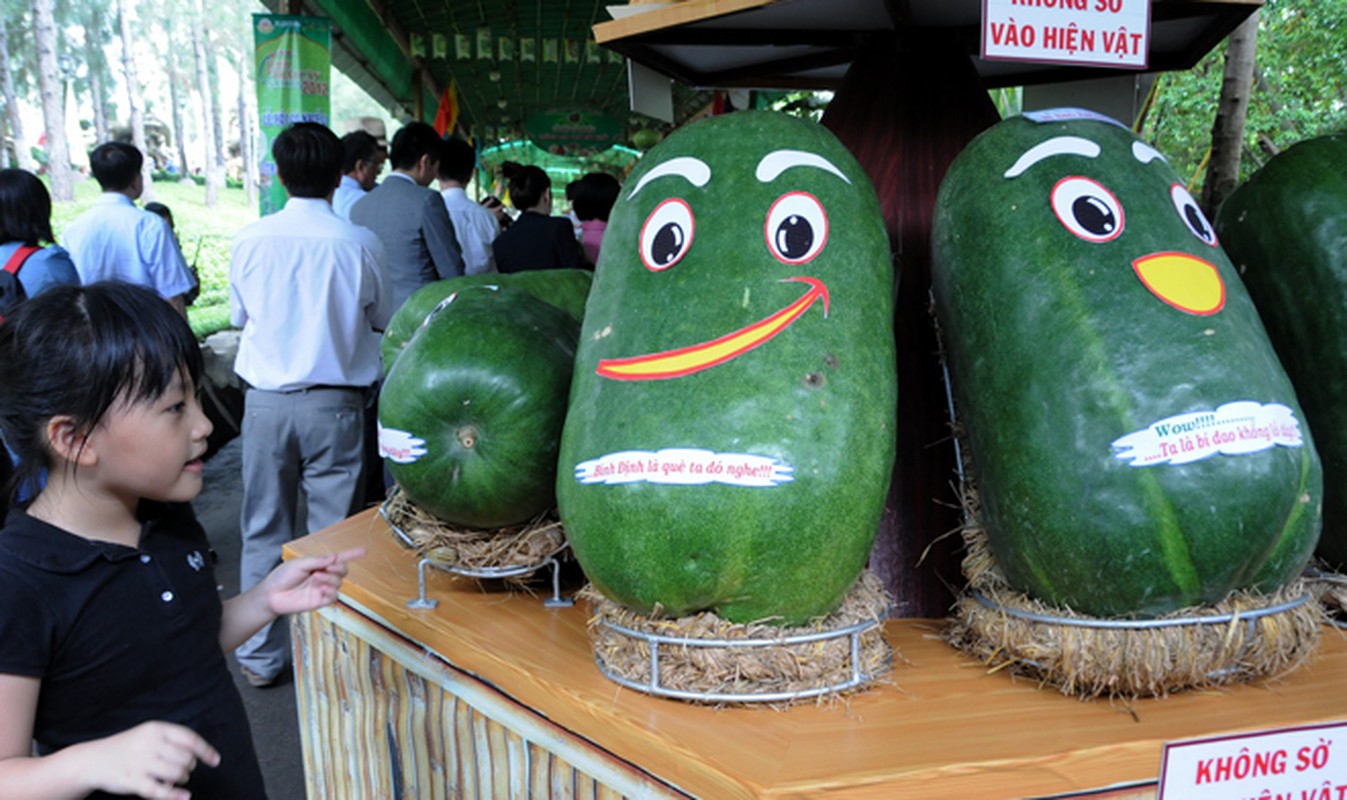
{"x":149,"y":760}
{"x":303,"y":584}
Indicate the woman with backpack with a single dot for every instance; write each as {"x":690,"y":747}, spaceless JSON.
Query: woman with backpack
{"x":31,"y":259}
{"x":26,"y":266}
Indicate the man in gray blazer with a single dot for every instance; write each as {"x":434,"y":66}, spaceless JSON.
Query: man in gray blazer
{"x":410,"y":218}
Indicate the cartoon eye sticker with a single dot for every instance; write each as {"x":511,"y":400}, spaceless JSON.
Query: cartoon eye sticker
{"x":667,"y":234}
{"x":796,"y":228}
{"x":1192,"y":215}
{"x":1087,"y":209}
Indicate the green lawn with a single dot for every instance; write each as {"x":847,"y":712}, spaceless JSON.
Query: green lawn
{"x":205,"y":234}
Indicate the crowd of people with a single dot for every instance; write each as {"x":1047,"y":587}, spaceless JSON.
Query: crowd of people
{"x":113,"y":638}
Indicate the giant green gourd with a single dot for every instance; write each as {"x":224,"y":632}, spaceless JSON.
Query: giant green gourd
{"x":731,"y":423}
{"x":1136,"y":445}
{"x":1285,"y":229}
{"x":470,"y":415}
{"x":564,"y":288}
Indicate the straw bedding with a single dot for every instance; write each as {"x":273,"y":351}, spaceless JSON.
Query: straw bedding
{"x":455,"y":548}
{"x":1125,"y":662}
{"x":761,"y":670}
{"x":1330,"y":587}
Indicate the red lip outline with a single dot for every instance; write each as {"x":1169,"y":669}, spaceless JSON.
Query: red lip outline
{"x":695,"y":358}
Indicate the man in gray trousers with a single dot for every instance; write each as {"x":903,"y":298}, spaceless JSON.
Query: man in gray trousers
{"x":310,"y":292}
{"x":409,"y":218}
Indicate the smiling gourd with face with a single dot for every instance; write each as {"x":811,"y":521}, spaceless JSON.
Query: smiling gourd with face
{"x":730,"y":430}
{"x":1136,"y":444}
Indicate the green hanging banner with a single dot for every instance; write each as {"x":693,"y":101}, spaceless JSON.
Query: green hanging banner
{"x":294,"y":70}
{"x":573,"y":131}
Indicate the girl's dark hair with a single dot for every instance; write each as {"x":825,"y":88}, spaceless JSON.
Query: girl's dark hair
{"x":527,"y":184}
{"x":78,"y":350}
{"x":25,"y":208}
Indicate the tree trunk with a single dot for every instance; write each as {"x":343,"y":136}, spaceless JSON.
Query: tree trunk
{"x":245,"y":132}
{"x":53,"y":114}
{"x":1268,"y":146}
{"x":15,"y":123}
{"x":219,"y":158}
{"x":98,"y":96}
{"x":97,"y":64}
{"x":11,"y":102}
{"x":208,"y":106}
{"x":905,"y":131}
{"x":1227,"y":132}
{"x":176,"y":100}
{"x":134,"y":90}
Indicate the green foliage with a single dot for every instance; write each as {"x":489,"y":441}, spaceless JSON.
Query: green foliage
{"x":1179,"y":125}
{"x":208,"y":320}
{"x":1300,"y":53}
{"x":808,"y":105}
{"x":1300,"y":89}
{"x":1008,"y":100}
{"x":204,"y":233}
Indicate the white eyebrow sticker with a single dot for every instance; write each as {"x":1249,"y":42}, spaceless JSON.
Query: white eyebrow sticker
{"x":694,"y":170}
{"x":1145,"y":153}
{"x":778,"y":161}
{"x":1057,"y":146}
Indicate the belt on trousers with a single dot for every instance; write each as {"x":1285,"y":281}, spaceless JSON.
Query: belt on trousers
{"x":317,"y":387}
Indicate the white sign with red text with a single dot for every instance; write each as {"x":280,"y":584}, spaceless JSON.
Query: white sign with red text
{"x":1301,"y":763}
{"x":1101,"y":33}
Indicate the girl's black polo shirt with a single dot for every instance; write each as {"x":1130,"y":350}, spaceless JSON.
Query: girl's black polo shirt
{"x":122,"y":635}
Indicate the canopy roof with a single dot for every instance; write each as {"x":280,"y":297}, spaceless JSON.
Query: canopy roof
{"x":808,"y":44}
{"x":508,"y":59}
{"x":512,"y":59}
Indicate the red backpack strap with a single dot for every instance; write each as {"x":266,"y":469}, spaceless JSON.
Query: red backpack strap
{"x":18,"y":257}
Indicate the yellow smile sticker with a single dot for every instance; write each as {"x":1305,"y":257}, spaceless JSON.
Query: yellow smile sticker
{"x":697,"y":357}
{"x":1185,"y":282}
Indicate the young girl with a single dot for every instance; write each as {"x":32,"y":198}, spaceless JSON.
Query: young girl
{"x":112,"y":632}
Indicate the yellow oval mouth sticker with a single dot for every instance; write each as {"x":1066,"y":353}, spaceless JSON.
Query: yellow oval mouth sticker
{"x":1184,"y":281}
{"x":697,"y":357}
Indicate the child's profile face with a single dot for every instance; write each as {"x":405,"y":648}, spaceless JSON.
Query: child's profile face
{"x":152,"y":449}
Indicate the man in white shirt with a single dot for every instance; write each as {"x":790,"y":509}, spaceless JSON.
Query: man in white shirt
{"x":114,"y":240}
{"x":474,"y":225}
{"x":363,"y":161}
{"x":310,"y":292}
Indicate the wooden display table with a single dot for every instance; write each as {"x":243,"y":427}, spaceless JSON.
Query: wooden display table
{"x":495,"y":695}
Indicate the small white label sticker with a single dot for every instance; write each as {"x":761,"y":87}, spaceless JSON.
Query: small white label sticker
{"x":1069,"y":113}
{"x":684,"y":466}
{"x":1234,"y":429}
{"x":400,"y":447}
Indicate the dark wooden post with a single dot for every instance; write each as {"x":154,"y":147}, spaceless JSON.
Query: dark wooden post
{"x":909,"y":104}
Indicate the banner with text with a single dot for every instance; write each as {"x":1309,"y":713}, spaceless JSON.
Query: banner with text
{"x":1100,"y":33}
{"x":294,"y":70}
